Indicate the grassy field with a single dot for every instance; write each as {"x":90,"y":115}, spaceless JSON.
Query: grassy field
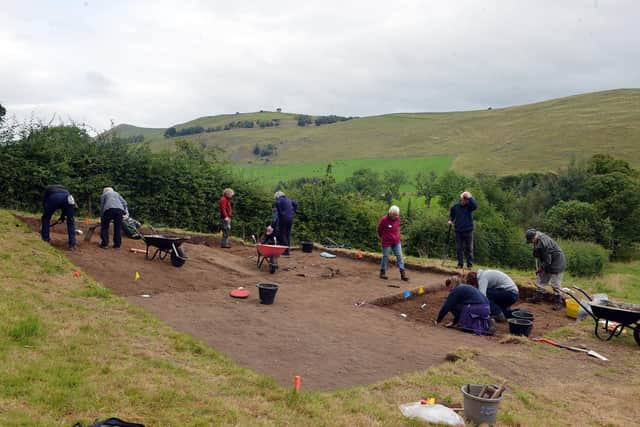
{"x":341,"y":169}
{"x":536,"y":137}
{"x":72,"y":351}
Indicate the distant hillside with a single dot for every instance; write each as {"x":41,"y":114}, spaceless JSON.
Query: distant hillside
{"x":534,"y":137}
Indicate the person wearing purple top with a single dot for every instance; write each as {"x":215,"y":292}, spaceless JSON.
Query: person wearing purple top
{"x":286,"y":210}
{"x":470,"y":309}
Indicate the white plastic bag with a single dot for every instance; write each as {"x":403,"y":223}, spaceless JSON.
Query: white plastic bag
{"x":437,"y":414}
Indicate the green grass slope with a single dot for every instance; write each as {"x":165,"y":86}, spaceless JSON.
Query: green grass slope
{"x":536,"y":137}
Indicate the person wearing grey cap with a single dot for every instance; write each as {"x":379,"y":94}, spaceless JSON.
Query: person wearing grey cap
{"x":550,"y":265}
{"x":113,"y":207}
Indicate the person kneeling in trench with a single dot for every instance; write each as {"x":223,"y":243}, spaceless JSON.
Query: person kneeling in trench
{"x":499,"y":288}
{"x":470,"y":309}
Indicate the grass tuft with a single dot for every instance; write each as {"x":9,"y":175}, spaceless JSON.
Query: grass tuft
{"x":26,"y":330}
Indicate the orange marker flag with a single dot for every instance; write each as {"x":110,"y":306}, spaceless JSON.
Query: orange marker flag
{"x":359,"y":254}
{"x":76,"y":274}
{"x":296,"y":383}
{"x":86,"y":221}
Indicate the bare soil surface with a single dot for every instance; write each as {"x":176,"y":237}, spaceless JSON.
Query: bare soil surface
{"x":324,"y":324}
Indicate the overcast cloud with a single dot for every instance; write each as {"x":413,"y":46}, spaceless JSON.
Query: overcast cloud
{"x":157,"y":63}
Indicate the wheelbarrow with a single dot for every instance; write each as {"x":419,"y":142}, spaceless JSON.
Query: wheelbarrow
{"x":623,"y":315}
{"x":269,"y":253}
{"x":166,"y":245}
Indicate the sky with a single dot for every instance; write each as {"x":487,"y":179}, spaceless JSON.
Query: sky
{"x":160,"y":63}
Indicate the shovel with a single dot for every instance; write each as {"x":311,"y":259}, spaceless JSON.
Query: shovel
{"x":446,"y":250}
{"x":583,"y":350}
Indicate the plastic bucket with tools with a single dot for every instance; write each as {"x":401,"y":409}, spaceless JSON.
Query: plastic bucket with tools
{"x":477,"y":409}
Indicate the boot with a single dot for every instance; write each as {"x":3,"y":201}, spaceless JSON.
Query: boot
{"x":383,"y":275}
{"x":557,"y":302}
{"x":500,"y":317}
{"x":536,"y":298}
{"x":403,"y":276}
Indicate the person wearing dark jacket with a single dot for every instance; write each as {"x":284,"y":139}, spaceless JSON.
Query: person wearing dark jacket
{"x":225,"y":216}
{"x":114,"y":208}
{"x":461,"y":214}
{"x":469,"y":307}
{"x":286,"y":209}
{"x":389,"y":232}
{"x":550,"y":262}
{"x":58,"y":197}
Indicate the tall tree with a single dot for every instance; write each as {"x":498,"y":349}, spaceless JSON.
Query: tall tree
{"x":391,"y":183}
{"x":426,"y":185}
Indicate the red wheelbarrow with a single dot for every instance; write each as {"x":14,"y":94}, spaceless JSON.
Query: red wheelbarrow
{"x":269,"y":253}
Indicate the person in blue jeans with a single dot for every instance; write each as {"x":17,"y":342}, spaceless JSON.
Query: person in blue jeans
{"x":461,"y":214}
{"x":58,"y":197}
{"x":389,"y":232}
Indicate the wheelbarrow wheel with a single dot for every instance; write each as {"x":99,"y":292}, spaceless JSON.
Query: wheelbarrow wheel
{"x":178,"y":258}
{"x":272,"y":268}
{"x":636,"y":334}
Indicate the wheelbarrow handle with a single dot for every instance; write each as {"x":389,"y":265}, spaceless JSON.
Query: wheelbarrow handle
{"x":583,"y":292}
{"x":579,"y":302}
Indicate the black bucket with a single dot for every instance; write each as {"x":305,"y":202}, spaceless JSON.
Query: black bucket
{"x":520,"y":327}
{"x":522,"y":314}
{"x":307,"y":246}
{"x":267,"y":292}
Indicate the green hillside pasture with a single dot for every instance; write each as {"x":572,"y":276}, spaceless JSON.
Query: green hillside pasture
{"x":342,"y":169}
{"x":542,"y":136}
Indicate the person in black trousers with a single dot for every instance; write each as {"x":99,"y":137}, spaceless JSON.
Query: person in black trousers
{"x":286,"y":210}
{"x":113,"y":208}
{"x":461,"y":214}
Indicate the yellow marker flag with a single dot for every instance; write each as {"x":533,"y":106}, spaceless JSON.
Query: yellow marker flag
{"x":420,"y":290}
{"x":137,"y":275}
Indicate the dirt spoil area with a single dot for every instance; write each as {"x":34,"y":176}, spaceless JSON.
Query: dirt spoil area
{"x":322,"y":325}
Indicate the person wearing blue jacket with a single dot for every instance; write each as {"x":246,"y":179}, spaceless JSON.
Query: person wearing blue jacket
{"x":470,"y":308}
{"x":58,"y":197}
{"x":286,"y":209}
{"x":461,"y":214}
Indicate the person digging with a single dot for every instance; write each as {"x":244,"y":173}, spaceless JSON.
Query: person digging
{"x":550,"y":263}
{"x":389,"y":232}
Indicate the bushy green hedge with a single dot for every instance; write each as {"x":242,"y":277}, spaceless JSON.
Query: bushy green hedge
{"x":325,"y":215}
{"x":584,"y":258}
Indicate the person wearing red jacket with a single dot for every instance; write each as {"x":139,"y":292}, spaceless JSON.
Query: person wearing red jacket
{"x":389,"y":232}
{"x":225,"y":216}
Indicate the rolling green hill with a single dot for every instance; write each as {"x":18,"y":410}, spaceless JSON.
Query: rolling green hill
{"x":535,"y":137}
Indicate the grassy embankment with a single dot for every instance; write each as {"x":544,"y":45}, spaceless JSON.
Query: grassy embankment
{"x":535,"y":137}
{"x":270,"y":175}
{"x":70,"y":351}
